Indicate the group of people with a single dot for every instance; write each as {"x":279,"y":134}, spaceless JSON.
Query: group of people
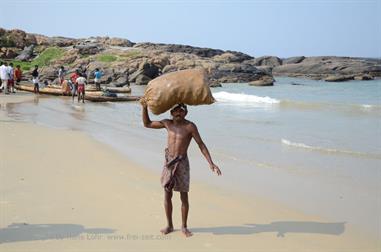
{"x":8,"y":76}
{"x":77,"y":82}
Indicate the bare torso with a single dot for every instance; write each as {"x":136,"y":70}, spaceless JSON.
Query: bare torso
{"x":179,"y":136}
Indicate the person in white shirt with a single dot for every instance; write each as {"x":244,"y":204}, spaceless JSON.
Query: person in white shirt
{"x":4,"y":77}
{"x":11,"y":82}
{"x":81,"y":81}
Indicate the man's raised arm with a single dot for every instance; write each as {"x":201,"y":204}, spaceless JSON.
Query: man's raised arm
{"x":147,"y":121}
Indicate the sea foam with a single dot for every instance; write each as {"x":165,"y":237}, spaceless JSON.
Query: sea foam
{"x":243,"y":98}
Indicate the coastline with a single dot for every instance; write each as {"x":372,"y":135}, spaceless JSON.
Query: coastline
{"x":85,"y":192}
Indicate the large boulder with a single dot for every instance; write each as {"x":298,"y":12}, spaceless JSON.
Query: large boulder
{"x":8,"y":53}
{"x":263,"y":81}
{"x":119,"y":42}
{"x":54,"y":41}
{"x":142,"y":79}
{"x":48,"y":73}
{"x":16,"y":38}
{"x":338,"y":78}
{"x":331,"y":67}
{"x":294,"y":60}
{"x":271,"y":61}
{"x":26,"y":54}
{"x":88,"y":48}
{"x":364,"y":77}
{"x":144,"y":74}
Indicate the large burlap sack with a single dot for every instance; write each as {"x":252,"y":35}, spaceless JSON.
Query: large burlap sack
{"x":186,"y":86}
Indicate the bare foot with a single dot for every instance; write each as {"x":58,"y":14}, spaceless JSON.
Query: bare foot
{"x":186,"y":232}
{"x":166,"y":230}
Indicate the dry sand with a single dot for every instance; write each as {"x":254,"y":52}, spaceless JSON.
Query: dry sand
{"x":61,"y":190}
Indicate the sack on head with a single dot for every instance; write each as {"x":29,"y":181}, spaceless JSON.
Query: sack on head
{"x":186,"y":86}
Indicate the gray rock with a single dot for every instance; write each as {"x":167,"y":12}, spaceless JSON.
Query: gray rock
{"x":26,"y":54}
{"x":88,"y":49}
{"x":338,"y":78}
{"x":364,"y":77}
{"x":263,"y":81}
{"x":271,"y":61}
{"x":142,"y":79}
{"x":323,"y":67}
{"x":293,"y":60}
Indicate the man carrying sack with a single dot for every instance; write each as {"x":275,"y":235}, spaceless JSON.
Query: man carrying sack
{"x":175,"y":175}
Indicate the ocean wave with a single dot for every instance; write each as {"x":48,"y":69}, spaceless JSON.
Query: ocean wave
{"x":243,"y":98}
{"x":329,"y":150}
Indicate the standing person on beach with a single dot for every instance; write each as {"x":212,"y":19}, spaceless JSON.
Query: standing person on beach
{"x":175,"y":175}
{"x":11,"y":82}
{"x":81,"y":82}
{"x":35,"y":74}
{"x":61,"y":74}
{"x":18,"y":74}
{"x":4,"y":76}
{"x":97,"y":78}
{"x":73,"y":79}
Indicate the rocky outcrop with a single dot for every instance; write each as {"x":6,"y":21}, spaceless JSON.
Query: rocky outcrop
{"x":86,"y":48}
{"x":54,"y":41}
{"x":270,"y":61}
{"x":114,"y":41}
{"x":329,"y":67}
{"x":338,"y":78}
{"x":293,"y":60}
{"x":263,"y":81}
{"x":16,"y":38}
{"x":26,"y":54}
{"x":201,"y":52}
{"x":8,"y":53}
{"x":123,"y":61}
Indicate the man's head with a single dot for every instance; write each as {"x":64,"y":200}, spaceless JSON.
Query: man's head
{"x":18,"y":66}
{"x":11,"y":64}
{"x":179,"y":111}
{"x":35,"y":66}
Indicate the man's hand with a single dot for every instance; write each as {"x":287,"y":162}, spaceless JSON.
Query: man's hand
{"x":216,"y":169}
{"x":143,"y":102}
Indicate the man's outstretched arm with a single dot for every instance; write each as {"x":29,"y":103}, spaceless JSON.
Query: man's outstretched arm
{"x":147,"y":121}
{"x":204,"y":150}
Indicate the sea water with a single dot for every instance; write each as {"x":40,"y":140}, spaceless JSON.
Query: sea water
{"x":312,"y":145}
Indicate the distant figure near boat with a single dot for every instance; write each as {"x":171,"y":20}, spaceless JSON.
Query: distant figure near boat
{"x":35,"y":80}
{"x":81,"y":82}
{"x":97,"y":79}
{"x":175,"y":175}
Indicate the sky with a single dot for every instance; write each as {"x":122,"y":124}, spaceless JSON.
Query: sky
{"x":283,"y":28}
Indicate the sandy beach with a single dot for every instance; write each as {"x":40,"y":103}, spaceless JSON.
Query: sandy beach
{"x":62,"y":190}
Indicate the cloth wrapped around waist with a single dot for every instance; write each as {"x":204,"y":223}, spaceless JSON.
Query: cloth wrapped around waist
{"x":175,"y":174}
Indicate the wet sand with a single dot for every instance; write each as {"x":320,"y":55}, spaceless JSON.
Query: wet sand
{"x":62,"y":190}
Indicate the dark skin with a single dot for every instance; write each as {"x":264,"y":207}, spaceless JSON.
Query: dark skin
{"x":180,"y":133}
{"x":81,"y":96}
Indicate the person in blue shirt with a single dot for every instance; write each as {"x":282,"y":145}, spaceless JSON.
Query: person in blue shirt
{"x":97,"y":78}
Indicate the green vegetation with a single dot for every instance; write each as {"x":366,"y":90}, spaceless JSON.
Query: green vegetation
{"x":25,"y":66}
{"x":131,"y":54}
{"x":43,"y":59}
{"x":106,"y":58}
{"x":47,"y":56}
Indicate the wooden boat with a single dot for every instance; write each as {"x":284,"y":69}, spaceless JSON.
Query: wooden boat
{"x":94,"y":96}
{"x":101,"y":98}
{"x":44,"y":90}
{"x":121,"y":90}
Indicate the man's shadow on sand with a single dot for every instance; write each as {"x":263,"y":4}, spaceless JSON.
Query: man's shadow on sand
{"x":279,"y":227}
{"x":30,"y":232}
